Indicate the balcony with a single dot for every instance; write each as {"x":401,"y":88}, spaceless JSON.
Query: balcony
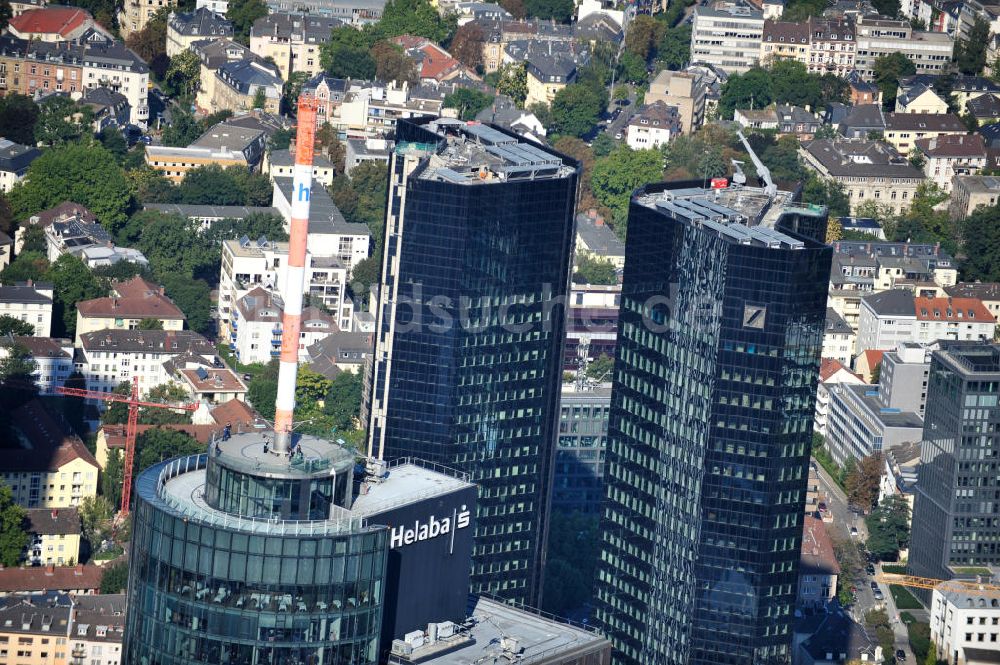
{"x":275,"y":353}
{"x":275,"y":342}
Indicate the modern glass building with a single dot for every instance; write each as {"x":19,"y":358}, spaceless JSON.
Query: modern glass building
{"x":242,"y":556}
{"x":583,"y":431}
{"x":467,"y":365}
{"x":955,"y":522}
{"x":719,"y":340}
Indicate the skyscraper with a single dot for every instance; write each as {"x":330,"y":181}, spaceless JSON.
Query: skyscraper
{"x":954,"y":512}
{"x":719,"y":339}
{"x":467,"y":364}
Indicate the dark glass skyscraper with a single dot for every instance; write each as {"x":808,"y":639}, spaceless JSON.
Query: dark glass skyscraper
{"x":954,"y":512}
{"x":467,"y":366}
{"x":719,"y":339}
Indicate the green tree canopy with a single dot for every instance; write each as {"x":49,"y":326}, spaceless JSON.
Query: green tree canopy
{"x":183,"y":75}
{"x":592,"y":270}
{"x":347,"y":54}
{"x":30,"y":264}
{"x":467,"y":102}
{"x":13,"y":326}
{"x":183,"y":129}
{"x":85,"y":174}
{"x":889,"y":528}
{"x":741,"y":91}
{"x":556,"y":10}
{"x":72,"y":282}
{"x":343,"y":400}
{"x":411,"y":17}
{"x":577,"y":108}
{"x":156,"y":445}
{"x":674,"y":49}
{"x":888,"y":70}
{"x":18,"y":116}
{"x":243,"y":13}
{"x":263,"y":390}
{"x":981,"y":236}
{"x":13,"y":536}
{"x":512,"y":80}
{"x":861,"y":483}
{"x":114,"y":579}
{"x":829,"y":193}
{"x":61,"y":120}
{"x":616,"y":176}
{"x":96,"y":515}
{"x":113,"y":141}
{"x":970,"y":53}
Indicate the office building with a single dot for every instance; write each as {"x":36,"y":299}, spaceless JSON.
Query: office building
{"x":480,"y":226}
{"x":583,"y":433}
{"x":722,"y":319}
{"x":969,"y":192}
{"x":930,"y":52}
{"x":954,"y":522}
{"x":728,"y":37}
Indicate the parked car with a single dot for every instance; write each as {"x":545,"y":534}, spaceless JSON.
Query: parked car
{"x":618,"y":136}
{"x":870,"y":569}
{"x":247,"y":377}
{"x":878,"y":594}
{"x":146,"y":139}
{"x":874,"y":585}
{"x":854,"y":532}
{"x":900,"y":655}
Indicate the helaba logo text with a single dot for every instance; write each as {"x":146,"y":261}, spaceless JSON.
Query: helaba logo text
{"x":432,"y":528}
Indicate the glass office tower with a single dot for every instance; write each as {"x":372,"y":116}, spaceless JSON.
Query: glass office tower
{"x":241,"y":556}
{"x":467,"y":365}
{"x":954,"y":512}
{"x":719,"y":340}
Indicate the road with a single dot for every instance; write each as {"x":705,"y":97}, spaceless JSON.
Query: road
{"x":843,"y":520}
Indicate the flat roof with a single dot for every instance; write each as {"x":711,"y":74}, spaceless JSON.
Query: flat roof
{"x":537,"y":638}
{"x":407,"y":483}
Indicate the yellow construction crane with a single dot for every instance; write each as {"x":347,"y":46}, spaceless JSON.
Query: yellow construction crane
{"x":961,"y":586}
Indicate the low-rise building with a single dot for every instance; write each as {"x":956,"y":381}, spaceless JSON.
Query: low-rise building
{"x":962,"y":87}
{"x":35,"y":629}
{"x":886,"y":319}
{"x":44,"y":219}
{"x":985,"y":108}
{"x":135,"y":14}
{"x":965,"y":625}
{"x":89,"y":242}
{"x":292,"y":40}
{"x":206,"y":215}
{"x":818,"y":567}
{"x":369,"y":150}
{"x":241,"y":85}
{"x":340,"y":351}
{"x":946,"y":157}
{"x":962,"y":319}
{"x":186,"y":28}
{"x":859,"y":424}
{"x":595,"y":239}
{"x":839,"y":338}
{"x":53,"y":358}
{"x":48,"y":466}
{"x":223,"y":145}
{"x":868,"y":364}
{"x":831,"y":372}
{"x":832,"y":638}
{"x":434,"y":65}
{"x":109,"y":64}
{"x":919,"y":98}
{"x":355,"y":12}
{"x":14,"y":162}
{"x":213,"y":53}
{"x":727,"y":36}
{"x":652,"y":126}
{"x":30,"y":584}
{"x":107,"y":358}
{"x":281,"y":164}
{"x":547,"y":74}
{"x":782,"y":119}
{"x":583,"y":433}
{"x":862,"y":91}
{"x":51,"y":24}
{"x":987,"y":293}
{"x":30,"y":302}
{"x":930,"y":52}
{"x":210,"y":385}
{"x":130,"y":303}
{"x":256,"y":327}
{"x":862,"y":122}
{"x":902,"y":130}
{"x":867,"y":170}
{"x":110,"y":108}
{"x":98,"y":629}
{"x":969,"y":192}
{"x":54,"y":536}
{"x":685,"y":91}
{"x":899,"y":474}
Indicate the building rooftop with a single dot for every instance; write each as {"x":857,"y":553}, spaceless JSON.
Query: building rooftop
{"x":965,"y":310}
{"x":926,"y":122}
{"x":979,"y":290}
{"x":147,"y":341}
{"x":339,"y":348}
{"x":953,"y":145}
{"x":971,"y":358}
{"x":202,"y":22}
{"x":406,"y":483}
{"x":33,"y":615}
{"x":210,"y":211}
{"x":860,"y":158}
{"x":225,"y":136}
{"x":494,"y":623}
{"x":213,"y":380}
{"x":36,"y":579}
{"x":830,"y":366}
{"x":49,"y":439}
{"x":285,"y":158}
{"x":14,"y":157}
{"x":324,"y":215}
{"x":840,"y":636}
{"x":62,"y":211}
{"x":894,"y":302}
{"x":24,"y":292}
{"x":836,"y":324}
{"x":62,"y":21}
{"x":245,"y":75}
{"x":817,"y":549}
{"x":597,"y":235}
{"x":133,"y":299}
{"x":53,"y":521}
{"x":867,"y":395}
{"x":99,"y":618}
{"x":298,"y":27}
{"x":41,"y":347}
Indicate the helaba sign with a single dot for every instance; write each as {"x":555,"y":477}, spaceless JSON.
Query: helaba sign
{"x":432,"y":528}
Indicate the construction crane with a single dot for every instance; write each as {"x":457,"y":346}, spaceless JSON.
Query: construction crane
{"x":133,"y":403}
{"x":765,"y":173}
{"x":961,"y":586}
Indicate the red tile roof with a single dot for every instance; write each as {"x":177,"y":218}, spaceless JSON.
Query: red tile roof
{"x":830,"y":366}
{"x":817,"y":549}
{"x":114,"y":435}
{"x":51,"y":578}
{"x":50,"y":20}
{"x":217,"y":380}
{"x":136,"y":299}
{"x":234,"y":412}
{"x":954,"y":145}
{"x":52,"y":442}
{"x":874,"y":357}
{"x":964,"y":310}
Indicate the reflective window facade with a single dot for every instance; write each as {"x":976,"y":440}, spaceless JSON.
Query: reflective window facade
{"x":205,"y":587}
{"x":583,"y":433}
{"x":711,"y":419}
{"x":470,"y":376}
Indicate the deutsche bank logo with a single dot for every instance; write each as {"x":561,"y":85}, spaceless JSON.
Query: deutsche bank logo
{"x":432,"y":528}
{"x":303,"y":193}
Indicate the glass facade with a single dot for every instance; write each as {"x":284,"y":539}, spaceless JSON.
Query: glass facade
{"x":957,"y":498}
{"x":211,"y":587}
{"x":467,"y":365}
{"x":719,"y":343}
{"x":583,"y":432}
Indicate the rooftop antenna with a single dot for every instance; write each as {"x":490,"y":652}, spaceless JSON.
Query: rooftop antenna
{"x":295,"y":283}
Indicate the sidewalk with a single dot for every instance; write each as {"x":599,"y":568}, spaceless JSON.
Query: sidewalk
{"x":898,"y":627}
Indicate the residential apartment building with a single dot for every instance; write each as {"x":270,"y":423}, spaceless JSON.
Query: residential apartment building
{"x":595,"y":239}
{"x":359,"y":151}
{"x":223,"y":145}
{"x":213,"y":53}
{"x":666,"y":591}
{"x":867,"y":170}
{"x":930,"y":52}
{"x":954,"y":524}
{"x":507,"y":239}
{"x":951,"y":156}
{"x":237,"y":84}
{"x":186,"y":28}
{"x":824,"y":46}
{"x":952,"y":319}
{"x":728,"y":37}
{"x":818,"y":567}
{"x":685,"y":91}
{"x":291,"y":40}
{"x":919,"y":98}
{"x":28,"y":67}
{"x":281,"y":164}
{"x":50,"y":467}
{"x":987,"y":293}
{"x":839,"y":338}
{"x":903,"y":130}
{"x":355,"y":12}
{"x":965,"y":625}
{"x":54,"y":536}
{"x":885,"y":319}
{"x":30,"y":302}
{"x":578,"y":484}
{"x":130,"y":303}
{"x":51,"y":24}
{"x":831,"y":372}
{"x":14,"y":162}
{"x":62,"y":212}
{"x":652,"y":126}
{"x":107,"y":358}
{"x":899,"y":475}
{"x":53,"y":358}
{"x":34,"y":630}
{"x":255,"y":327}
{"x":135,"y":14}
{"x":98,"y":629}
{"x":781,"y":40}
{"x":108,"y":64}
{"x":547,"y":74}
{"x":89,"y":242}
{"x":781,"y":118}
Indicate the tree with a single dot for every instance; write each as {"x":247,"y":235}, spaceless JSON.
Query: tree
{"x":157,"y":445}
{"x":96,"y":514}
{"x":193,"y":297}
{"x":347,"y":55}
{"x":603,"y":145}
{"x":601,"y":367}
{"x":829,"y":193}
{"x":72,"y":282}
{"x":571,"y":566}
{"x":643,"y":36}
{"x":743,"y":91}
{"x":616,"y":176}
{"x":632,"y":68}
{"x":832,"y":89}
{"x":112,"y":477}
{"x":151,"y":324}
{"x":467,"y":102}
{"x":861,"y":484}
{"x":834,"y":231}
{"x":61,"y":120}
{"x":85,"y":174}
{"x":555,"y":10}
{"x":590,"y":270}
{"x":6,"y":13}
{"x":800,"y":10}
{"x":888,"y":70}
{"x":113,"y":141}
{"x":150,"y":43}
{"x":343,"y":400}
{"x":114,"y":579}
{"x":674,"y":49}
{"x":792,"y":84}
{"x":412,"y":17}
{"x":290,"y":93}
{"x":970,"y":53}
{"x":243,"y":13}
{"x":512,"y":80}
{"x":183,"y":75}
{"x":576,"y":109}
{"x":12,"y":326}
{"x":467,"y":45}
{"x":888,"y":8}
{"x":13,"y":536}
{"x":27,"y":265}
{"x":18,"y":115}
{"x":981,"y":235}
{"x":263,"y":390}
{"x":889,"y":528}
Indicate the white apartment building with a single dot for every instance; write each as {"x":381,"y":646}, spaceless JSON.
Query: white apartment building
{"x":839,"y":338}
{"x":831,"y":372}
{"x":952,"y":155}
{"x":109,"y":357}
{"x":53,"y":358}
{"x":930,"y":52}
{"x":97,"y":629}
{"x":256,"y":327}
{"x":247,"y":265}
{"x":886,"y":319}
{"x":965,"y":626}
{"x":952,"y":319}
{"x":728,"y":37}
{"x":109,"y":64}
{"x":30,"y":302}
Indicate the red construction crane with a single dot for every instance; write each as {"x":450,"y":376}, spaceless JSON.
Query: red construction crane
{"x":134,"y":403}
